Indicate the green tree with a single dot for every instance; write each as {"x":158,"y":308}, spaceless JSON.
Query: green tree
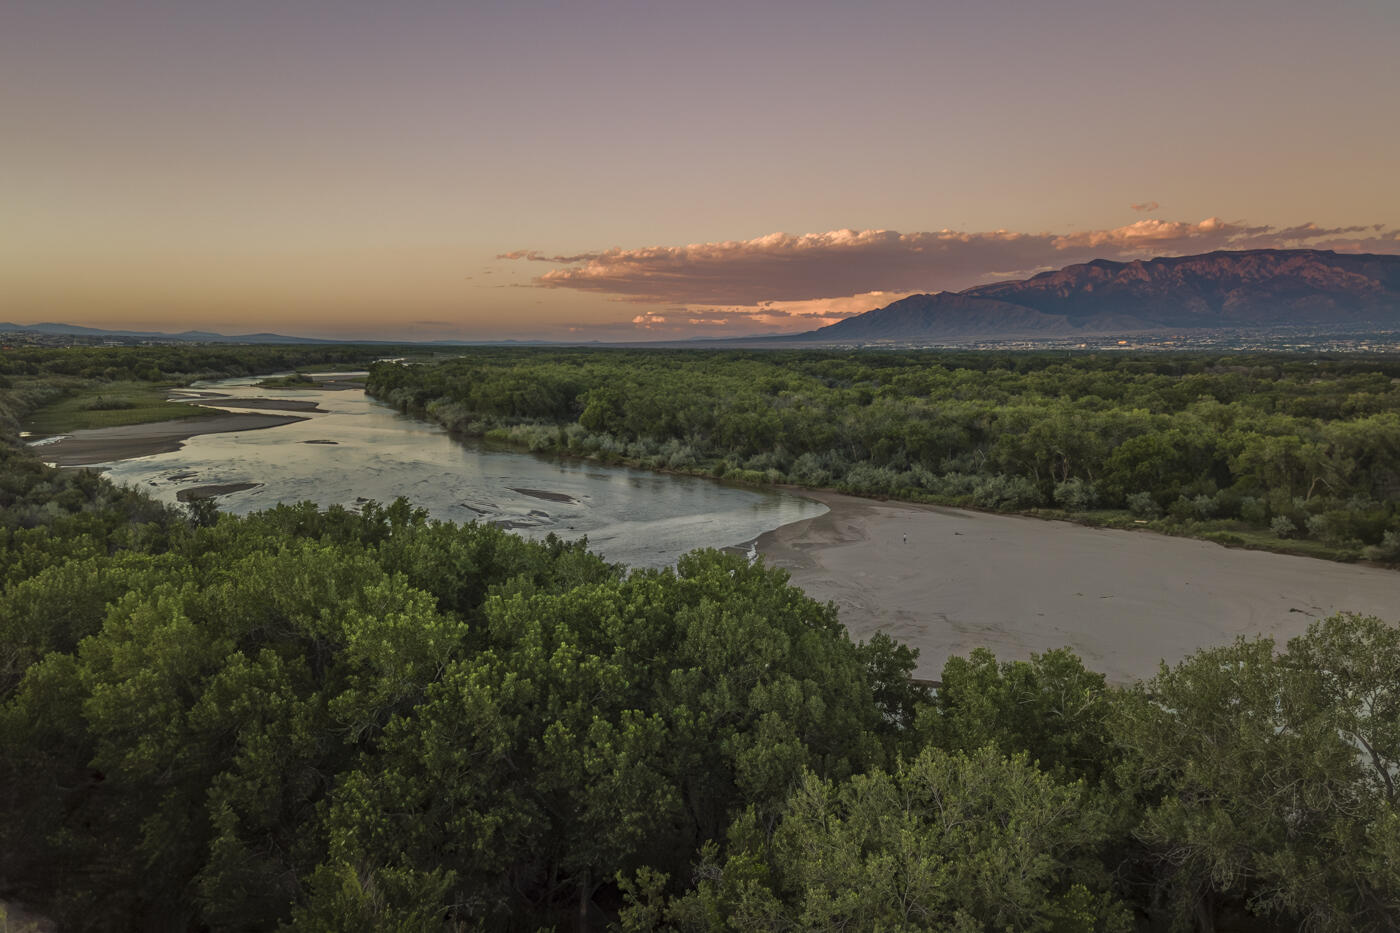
{"x":1267,"y":777}
{"x":948,"y":842}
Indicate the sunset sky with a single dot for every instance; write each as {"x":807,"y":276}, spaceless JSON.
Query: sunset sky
{"x":581,"y":170}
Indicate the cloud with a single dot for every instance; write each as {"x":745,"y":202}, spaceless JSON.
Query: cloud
{"x":740,"y":320}
{"x":784,"y":268}
{"x":1146,"y":207}
{"x":787,"y":282}
{"x":534,"y":255}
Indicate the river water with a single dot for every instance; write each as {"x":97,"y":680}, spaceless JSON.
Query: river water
{"x":633,"y":516}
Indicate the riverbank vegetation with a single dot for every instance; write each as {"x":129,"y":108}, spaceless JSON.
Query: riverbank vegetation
{"x":1292,"y":453}
{"x":294,"y":381}
{"x":301,"y":380}
{"x":326,"y":719}
{"x":332,"y":719}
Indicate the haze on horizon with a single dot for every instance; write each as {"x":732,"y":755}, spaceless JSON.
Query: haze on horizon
{"x":630,"y":170}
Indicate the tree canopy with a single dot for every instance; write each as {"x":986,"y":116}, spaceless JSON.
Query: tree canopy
{"x":363,"y":719}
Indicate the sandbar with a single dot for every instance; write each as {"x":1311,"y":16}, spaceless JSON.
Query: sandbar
{"x":271,"y":404}
{"x":1125,"y":601}
{"x":104,"y":445}
{"x":212,"y":490}
{"x":339,"y":382}
{"x":544,"y":494}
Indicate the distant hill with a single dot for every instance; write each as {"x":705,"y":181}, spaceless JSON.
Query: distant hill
{"x":204,"y":336}
{"x":193,"y":336}
{"x":1240,"y":289}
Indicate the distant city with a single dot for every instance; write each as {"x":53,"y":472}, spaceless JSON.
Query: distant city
{"x":1293,"y":339}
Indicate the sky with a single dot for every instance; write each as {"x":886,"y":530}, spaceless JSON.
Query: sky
{"x":631,"y":171}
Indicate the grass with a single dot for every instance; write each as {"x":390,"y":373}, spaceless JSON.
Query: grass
{"x":1263,"y":540}
{"x":109,"y":405}
{"x":1229,"y":532}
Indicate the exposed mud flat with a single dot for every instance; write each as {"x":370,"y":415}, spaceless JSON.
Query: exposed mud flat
{"x":947,"y":581}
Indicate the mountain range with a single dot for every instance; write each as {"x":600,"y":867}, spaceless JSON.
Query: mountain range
{"x":1225,"y":290}
{"x":1244,"y":289}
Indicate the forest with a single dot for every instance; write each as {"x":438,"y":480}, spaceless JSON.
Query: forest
{"x":1292,"y":453}
{"x":326,"y":719}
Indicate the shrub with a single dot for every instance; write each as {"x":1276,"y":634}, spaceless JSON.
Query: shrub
{"x":1142,"y":505}
{"x":109,"y":404}
{"x":1253,"y":510}
{"x":808,"y":470}
{"x":1387,"y":550}
{"x":1006,"y":492}
{"x":1076,"y":495}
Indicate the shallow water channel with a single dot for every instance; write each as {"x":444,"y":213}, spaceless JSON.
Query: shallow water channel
{"x":357,"y":449}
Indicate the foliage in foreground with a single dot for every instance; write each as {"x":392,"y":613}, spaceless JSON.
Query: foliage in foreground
{"x":333,"y":720}
{"x":945,"y":842}
{"x":320,"y":719}
{"x":279,"y":709}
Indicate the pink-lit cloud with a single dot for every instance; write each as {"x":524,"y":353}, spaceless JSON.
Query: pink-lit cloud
{"x":1146,"y":207}
{"x":782,"y":268}
{"x":726,"y":320}
{"x":788,"y":283}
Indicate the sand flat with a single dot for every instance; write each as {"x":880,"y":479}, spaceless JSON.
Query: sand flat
{"x":1123,"y":600}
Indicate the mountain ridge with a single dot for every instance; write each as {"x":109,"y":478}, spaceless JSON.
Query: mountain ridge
{"x":1224,"y":288}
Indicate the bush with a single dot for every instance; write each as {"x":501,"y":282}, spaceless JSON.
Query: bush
{"x":1076,"y":495}
{"x":866,"y":478}
{"x":1283,"y":527}
{"x":1387,"y":550}
{"x":1197,"y":508}
{"x":108,"y":404}
{"x":808,"y":469}
{"x":1142,"y":505}
{"x":1253,"y":510}
{"x":1006,"y":492}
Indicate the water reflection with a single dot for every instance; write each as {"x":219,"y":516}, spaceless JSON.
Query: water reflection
{"x":356,"y":449}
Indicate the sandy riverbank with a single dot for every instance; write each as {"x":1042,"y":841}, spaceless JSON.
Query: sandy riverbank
{"x":1123,"y":600}
{"x":103,"y":445}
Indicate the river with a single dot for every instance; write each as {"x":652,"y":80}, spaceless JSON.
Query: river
{"x":944,"y":581}
{"x":356,"y":449}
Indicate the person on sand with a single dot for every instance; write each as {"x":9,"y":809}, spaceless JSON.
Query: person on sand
{"x":906,"y":537}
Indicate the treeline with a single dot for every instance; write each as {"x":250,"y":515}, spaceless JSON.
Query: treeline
{"x":330,"y":720}
{"x":155,"y":364}
{"x":1269,"y":450}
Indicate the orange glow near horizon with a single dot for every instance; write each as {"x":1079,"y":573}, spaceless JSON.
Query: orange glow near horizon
{"x":353,"y":169}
